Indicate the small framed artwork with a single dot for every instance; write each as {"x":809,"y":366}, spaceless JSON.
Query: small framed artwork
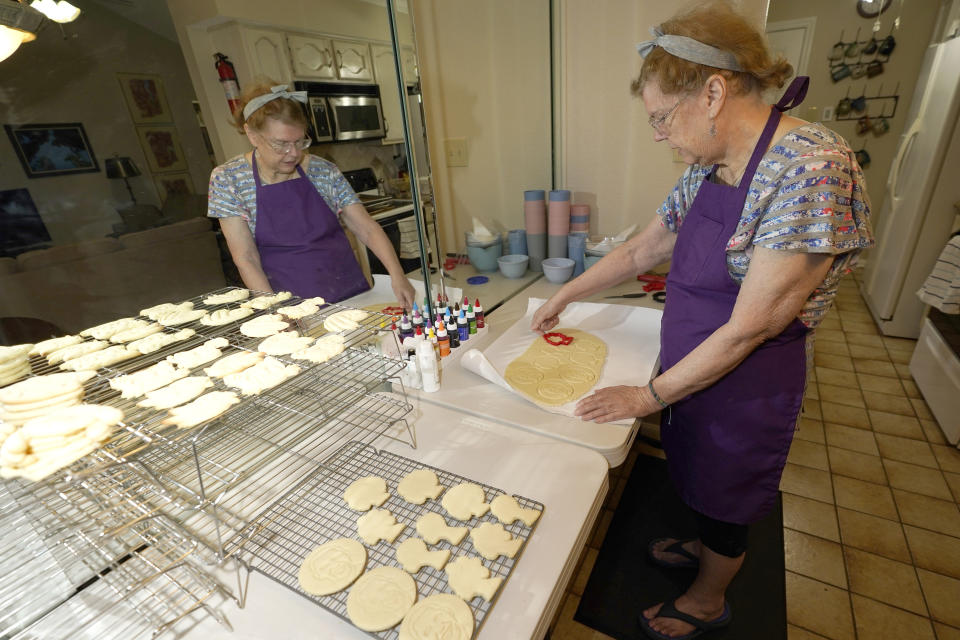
{"x":52,"y":149}
{"x":146,"y":99}
{"x":173,"y":183}
{"x":161,"y":146}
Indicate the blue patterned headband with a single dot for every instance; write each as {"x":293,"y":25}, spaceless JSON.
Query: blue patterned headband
{"x":689,"y":49}
{"x":278,"y":91}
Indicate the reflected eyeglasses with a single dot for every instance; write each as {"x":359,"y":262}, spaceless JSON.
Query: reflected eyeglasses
{"x":657,"y":122}
{"x":281,"y":146}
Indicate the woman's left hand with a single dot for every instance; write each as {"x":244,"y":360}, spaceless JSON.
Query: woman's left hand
{"x":615,"y":403}
{"x":404,"y":291}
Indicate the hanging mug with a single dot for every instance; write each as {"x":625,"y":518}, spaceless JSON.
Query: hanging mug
{"x":864,"y":125}
{"x":837,"y":52}
{"x":858,"y":70}
{"x":843,"y":107}
{"x":851,"y":50}
{"x":871,"y":47}
{"x":887,"y":46}
{"x":880,"y":126}
{"x":858,"y":105}
{"x":863,"y":158}
{"x":874,"y":69}
{"x":839,"y":72}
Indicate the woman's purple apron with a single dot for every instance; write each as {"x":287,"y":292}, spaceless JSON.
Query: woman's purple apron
{"x":302,"y":247}
{"x":726,"y":445}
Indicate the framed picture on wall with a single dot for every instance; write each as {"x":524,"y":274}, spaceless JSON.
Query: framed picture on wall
{"x":145,"y":97}
{"x":173,"y":183}
{"x":52,"y":149}
{"x":161,"y":146}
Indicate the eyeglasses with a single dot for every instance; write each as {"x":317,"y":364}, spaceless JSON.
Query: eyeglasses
{"x":657,"y":122}
{"x":284,"y":147}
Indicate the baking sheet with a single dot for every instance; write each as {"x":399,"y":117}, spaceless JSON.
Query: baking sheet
{"x":382,"y":292}
{"x":632,"y":335}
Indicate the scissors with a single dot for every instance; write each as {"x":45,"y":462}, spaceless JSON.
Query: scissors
{"x":641,"y":294}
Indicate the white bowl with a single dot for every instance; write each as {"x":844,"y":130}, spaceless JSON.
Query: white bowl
{"x":558,"y":270}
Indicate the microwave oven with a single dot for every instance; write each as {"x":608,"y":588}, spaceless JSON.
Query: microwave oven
{"x":342,"y":113}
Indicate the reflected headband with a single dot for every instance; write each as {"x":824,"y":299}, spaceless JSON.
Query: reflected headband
{"x":278,"y":91}
{"x":689,"y":49}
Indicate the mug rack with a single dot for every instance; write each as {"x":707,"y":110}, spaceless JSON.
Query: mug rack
{"x":888,"y":104}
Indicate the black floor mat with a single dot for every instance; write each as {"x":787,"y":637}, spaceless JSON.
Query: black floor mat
{"x":624,"y":582}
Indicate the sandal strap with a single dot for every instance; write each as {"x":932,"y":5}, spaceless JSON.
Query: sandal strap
{"x":669,"y":610}
{"x":677,"y":548}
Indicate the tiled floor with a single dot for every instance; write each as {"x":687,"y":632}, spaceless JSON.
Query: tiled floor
{"x":870,"y":499}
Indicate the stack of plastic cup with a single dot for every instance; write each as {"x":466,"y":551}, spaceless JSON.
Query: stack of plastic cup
{"x":517,"y":242}
{"x":579,"y":218}
{"x":576,"y":245}
{"x":535,"y":215}
{"x":558,"y":224}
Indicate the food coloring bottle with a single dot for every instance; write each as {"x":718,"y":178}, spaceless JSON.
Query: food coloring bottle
{"x":463,"y":327}
{"x":479,"y":311}
{"x":471,"y":319}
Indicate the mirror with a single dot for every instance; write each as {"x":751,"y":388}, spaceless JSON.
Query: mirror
{"x":103,"y":195}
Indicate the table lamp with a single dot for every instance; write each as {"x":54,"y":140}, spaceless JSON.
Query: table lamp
{"x":118,"y":167}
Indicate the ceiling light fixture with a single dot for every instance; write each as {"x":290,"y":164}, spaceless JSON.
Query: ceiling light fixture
{"x":61,"y":11}
{"x":18,"y":24}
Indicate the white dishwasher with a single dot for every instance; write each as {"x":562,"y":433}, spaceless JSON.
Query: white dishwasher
{"x":935,"y":366}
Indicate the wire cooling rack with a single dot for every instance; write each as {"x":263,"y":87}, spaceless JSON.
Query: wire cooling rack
{"x":314,"y":512}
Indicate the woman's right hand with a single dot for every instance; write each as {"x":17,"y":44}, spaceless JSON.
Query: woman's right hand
{"x":548,"y":315}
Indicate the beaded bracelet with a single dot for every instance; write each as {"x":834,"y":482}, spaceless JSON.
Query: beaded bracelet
{"x":656,"y":396}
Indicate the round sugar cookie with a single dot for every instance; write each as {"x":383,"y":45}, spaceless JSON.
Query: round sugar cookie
{"x":441,"y":615}
{"x":555,"y":391}
{"x":381,"y":598}
{"x":523,"y":374}
{"x":369,"y":491}
{"x":332,"y":567}
{"x":419,"y":485}
{"x":43,"y":387}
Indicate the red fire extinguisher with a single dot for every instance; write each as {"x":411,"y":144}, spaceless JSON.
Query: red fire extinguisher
{"x":228,"y":78}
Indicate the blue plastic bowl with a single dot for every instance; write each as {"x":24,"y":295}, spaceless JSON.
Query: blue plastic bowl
{"x":513,"y":265}
{"x":558,"y":270}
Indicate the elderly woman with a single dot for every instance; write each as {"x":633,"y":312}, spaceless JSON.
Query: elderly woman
{"x":280,"y":208}
{"x":769,"y":215}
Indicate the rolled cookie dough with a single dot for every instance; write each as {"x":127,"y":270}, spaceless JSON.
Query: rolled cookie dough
{"x":554,"y":375}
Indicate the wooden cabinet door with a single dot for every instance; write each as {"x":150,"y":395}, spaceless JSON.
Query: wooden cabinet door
{"x":353,"y":60}
{"x":312,"y":57}
{"x":267,"y":53}
{"x":385,"y":67}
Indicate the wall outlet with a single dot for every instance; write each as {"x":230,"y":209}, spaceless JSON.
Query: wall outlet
{"x":456,"y":151}
{"x":827,"y":114}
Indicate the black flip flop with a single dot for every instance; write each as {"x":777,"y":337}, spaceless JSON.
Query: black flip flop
{"x":668,"y":610}
{"x":691,"y":561}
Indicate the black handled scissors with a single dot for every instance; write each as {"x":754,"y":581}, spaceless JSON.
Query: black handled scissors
{"x":628,"y":295}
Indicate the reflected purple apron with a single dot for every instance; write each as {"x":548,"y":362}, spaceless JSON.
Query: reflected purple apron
{"x":302,"y":247}
{"x":726,"y":445}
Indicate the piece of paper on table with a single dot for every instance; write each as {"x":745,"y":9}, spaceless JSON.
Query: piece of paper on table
{"x":632,"y":335}
{"x":382,"y":292}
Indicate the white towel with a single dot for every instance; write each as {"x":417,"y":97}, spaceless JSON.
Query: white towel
{"x":942,"y":287}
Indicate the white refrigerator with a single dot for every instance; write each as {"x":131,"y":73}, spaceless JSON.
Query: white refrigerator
{"x":916,"y":219}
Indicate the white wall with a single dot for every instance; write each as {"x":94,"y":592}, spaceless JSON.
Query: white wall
{"x":607,"y":155}
{"x":73,"y":79}
{"x":485,"y":74}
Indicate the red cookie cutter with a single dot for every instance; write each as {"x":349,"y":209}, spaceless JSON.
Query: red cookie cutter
{"x":653,"y":282}
{"x":392,"y":311}
{"x":557,"y":339}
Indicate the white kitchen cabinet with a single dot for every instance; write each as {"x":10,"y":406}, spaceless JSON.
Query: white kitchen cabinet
{"x":353,"y":60}
{"x":383,"y":64}
{"x":268,"y":54}
{"x":257,"y":54}
{"x":312,"y":57}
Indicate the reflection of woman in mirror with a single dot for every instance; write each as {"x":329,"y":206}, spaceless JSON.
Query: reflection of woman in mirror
{"x":278,"y":208}
{"x":769,"y":215}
